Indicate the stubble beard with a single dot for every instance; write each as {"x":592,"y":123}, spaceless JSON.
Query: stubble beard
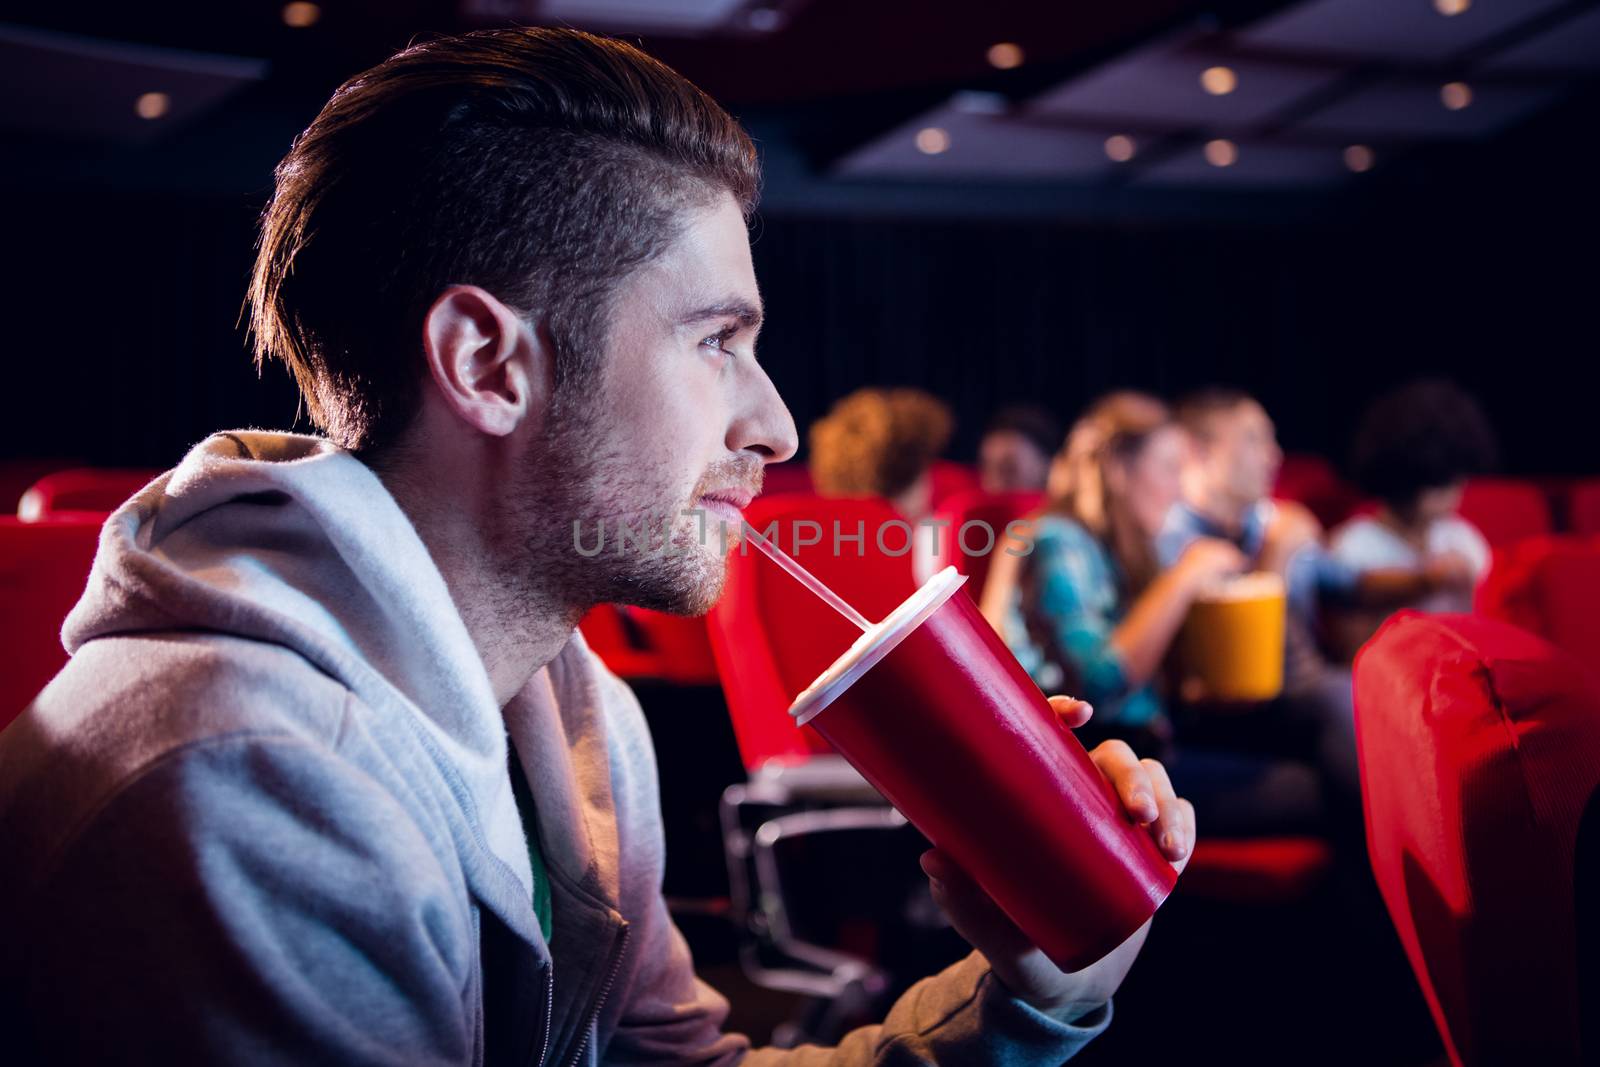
{"x":582,"y":492}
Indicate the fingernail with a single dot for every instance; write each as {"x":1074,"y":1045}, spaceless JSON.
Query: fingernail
{"x":1143,"y":802}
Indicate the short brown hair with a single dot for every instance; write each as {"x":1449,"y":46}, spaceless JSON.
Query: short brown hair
{"x":1196,"y":411}
{"x":543,"y":165}
{"x":878,"y":442}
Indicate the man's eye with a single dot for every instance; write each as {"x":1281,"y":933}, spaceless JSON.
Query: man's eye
{"x":719,"y":340}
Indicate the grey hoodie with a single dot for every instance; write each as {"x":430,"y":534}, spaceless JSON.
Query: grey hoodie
{"x":264,"y":815}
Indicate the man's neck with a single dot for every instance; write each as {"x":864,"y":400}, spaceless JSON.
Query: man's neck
{"x":516,"y":626}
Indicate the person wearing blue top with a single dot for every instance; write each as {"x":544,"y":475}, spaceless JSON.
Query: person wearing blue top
{"x":1089,"y":609}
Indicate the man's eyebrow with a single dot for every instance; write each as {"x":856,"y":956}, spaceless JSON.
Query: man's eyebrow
{"x":748,"y":315}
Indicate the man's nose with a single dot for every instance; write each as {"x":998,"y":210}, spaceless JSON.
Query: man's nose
{"x":763,"y":425}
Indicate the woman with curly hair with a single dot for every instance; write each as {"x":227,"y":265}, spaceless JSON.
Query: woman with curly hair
{"x":883,"y":443}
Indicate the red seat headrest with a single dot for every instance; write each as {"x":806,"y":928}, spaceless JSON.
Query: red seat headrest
{"x":1480,"y":752}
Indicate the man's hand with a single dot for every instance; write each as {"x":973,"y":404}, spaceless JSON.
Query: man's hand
{"x":1208,"y":560}
{"x":1146,"y":792}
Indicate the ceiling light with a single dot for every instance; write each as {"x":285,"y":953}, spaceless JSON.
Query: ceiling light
{"x":1219,"y":81}
{"x":1455,"y":95}
{"x":300,"y":15}
{"x":152,"y":105}
{"x":1451,"y":7}
{"x":1120,"y":147}
{"x":1221,"y":153}
{"x":1005,"y":55}
{"x":932,"y":140}
{"x":1359,"y":158}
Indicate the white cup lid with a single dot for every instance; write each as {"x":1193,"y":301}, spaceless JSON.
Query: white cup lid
{"x":874,"y":644}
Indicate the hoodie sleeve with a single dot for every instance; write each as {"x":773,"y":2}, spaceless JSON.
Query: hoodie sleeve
{"x":961,"y":1016}
{"x":250,"y":900}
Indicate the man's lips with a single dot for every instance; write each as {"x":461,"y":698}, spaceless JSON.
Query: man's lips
{"x":734,"y":498}
{"x":727,"y":503}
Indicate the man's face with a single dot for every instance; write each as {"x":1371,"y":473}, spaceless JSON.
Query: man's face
{"x":1009,"y":462}
{"x":1242,"y":457}
{"x":678,"y":428}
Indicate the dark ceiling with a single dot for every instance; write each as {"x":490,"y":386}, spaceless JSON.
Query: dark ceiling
{"x":847,"y":97}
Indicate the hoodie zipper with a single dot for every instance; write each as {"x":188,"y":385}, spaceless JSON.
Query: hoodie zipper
{"x":605,"y":989}
{"x":549,"y":1012}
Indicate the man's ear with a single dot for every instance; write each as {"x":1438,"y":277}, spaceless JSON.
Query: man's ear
{"x":490,"y":368}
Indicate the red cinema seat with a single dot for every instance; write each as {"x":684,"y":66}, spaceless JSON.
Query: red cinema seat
{"x":772,"y":637}
{"x":1313,"y":482}
{"x":1583,"y":507}
{"x":1551,"y":586}
{"x":1480,"y":756}
{"x":84,"y":489}
{"x":17,"y":475}
{"x":43,"y":569}
{"x":1506,"y":510}
{"x":636,"y":643}
{"x":972,"y":554}
{"x":951,"y":479}
{"x":611,"y":637}
{"x":680,"y":644}
{"x":1256,"y":870}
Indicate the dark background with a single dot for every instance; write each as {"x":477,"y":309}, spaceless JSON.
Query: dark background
{"x":125,"y":265}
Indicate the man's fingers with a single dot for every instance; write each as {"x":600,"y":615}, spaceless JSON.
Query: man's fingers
{"x":1171,"y":828}
{"x":1122,"y":768}
{"x":1188,"y":819}
{"x":1073,"y":712}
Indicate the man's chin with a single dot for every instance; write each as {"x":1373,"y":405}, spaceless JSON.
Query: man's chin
{"x":689,"y":593}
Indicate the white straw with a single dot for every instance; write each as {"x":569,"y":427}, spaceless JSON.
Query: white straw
{"x":807,"y":579}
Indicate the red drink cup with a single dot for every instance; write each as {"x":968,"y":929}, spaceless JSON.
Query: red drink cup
{"x":933,"y":709}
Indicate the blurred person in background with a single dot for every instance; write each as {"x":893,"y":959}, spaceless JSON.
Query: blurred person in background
{"x":1090,"y":608}
{"x":882,"y":443}
{"x":1015,"y":453}
{"x":1413,"y":452}
{"x":1228,"y":483}
{"x":1227,"y":494}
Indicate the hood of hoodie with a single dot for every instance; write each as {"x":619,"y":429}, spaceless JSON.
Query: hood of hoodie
{"x":288,"y":538}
